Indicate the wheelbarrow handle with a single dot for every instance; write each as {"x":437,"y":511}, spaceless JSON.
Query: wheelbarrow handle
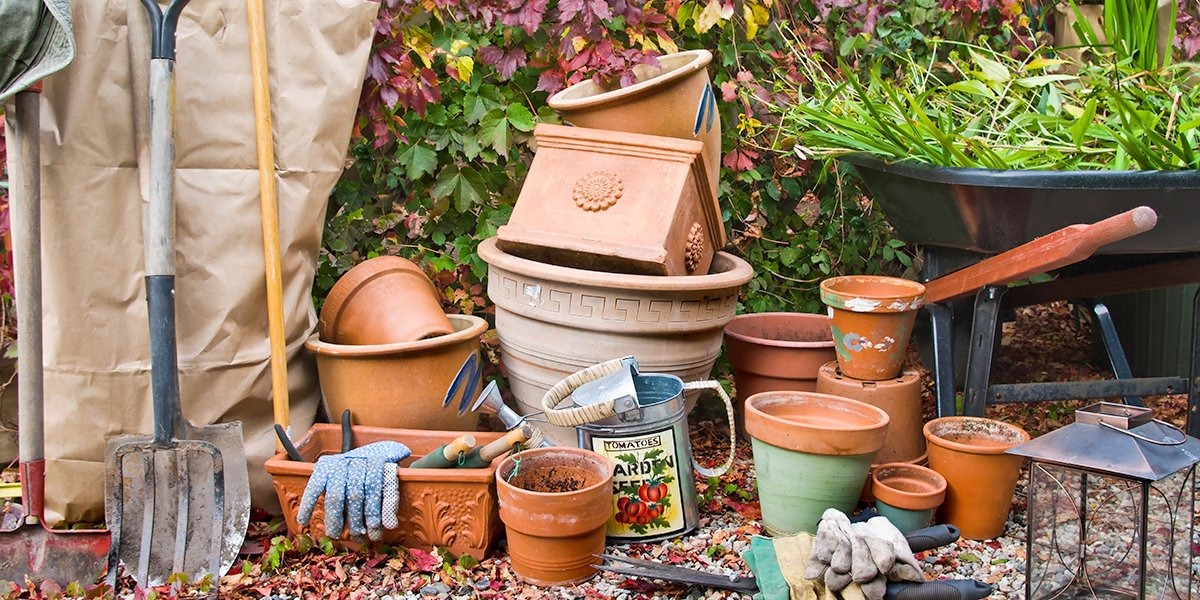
{"x":1060,"y":248}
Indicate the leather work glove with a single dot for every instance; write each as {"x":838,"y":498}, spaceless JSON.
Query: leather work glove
{"x":905,"y":567}
{"x":360,"y":490}
{"x":868,"y":554}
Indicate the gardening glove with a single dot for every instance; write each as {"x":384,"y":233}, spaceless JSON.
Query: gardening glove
{"x":905,"y":566}
{"x":778,"y":566}
{"x":839,"y":556}
{"x":353,"y":485}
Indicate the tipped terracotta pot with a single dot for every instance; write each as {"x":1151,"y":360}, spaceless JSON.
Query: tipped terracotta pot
{"x":907,"y":494}
{"x":398,"y":385}
{"x":873,"y":319}
{"x":811,"y":452}
{"x":673,"y":99}
{"x":776,"y":351}
{"x":555,"y":503}
{"x":980,"y":477}
{"x":899,"y":397}
{"x":555,"y":321}
{"x":382,"y":300}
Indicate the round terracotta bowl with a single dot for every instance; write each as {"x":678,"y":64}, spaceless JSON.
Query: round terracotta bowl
{"x":398,"y":385}
{"x":382,"y":300}
{"x":908,"y":486}
{"x":816,"y":423}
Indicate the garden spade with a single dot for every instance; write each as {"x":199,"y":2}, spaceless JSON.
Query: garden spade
{"x":31,"y":550}
{"x":177,"y":502}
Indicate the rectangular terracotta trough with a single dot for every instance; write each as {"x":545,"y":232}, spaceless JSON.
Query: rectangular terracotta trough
{"x":455,"y":509}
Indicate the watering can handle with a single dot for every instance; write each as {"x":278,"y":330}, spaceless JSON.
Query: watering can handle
{"x":580,"y":415}
{"x":716,"y":385}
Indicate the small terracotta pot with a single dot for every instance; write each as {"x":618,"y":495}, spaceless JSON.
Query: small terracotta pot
{"x":899,"y":397}
{"x":811,"y":452}
{"x":776,"y":351}
{"x":873,"y":319}
{"x":980,"y":477}
{"x":382,"y":300}
{"x":398,"y":385}
{"x":907,"y":494}
{"x":555,"y":503}
{"x":453,"y":509}
{"x":673,"y":99}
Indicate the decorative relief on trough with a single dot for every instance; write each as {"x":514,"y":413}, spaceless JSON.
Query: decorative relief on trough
{"x":694,"y":250}
{"x":598,"y":190}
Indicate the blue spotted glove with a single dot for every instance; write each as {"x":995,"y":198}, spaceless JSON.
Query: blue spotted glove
{"x":353,"y":484}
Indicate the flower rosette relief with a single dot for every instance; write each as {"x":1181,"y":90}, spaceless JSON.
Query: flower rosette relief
{"x":644,"y":502}
{"x":597,"y":190}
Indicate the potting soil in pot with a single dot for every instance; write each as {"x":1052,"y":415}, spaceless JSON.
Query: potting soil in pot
{"x":554,"y":479}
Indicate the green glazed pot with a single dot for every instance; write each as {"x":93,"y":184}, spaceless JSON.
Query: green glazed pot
{"x":904,"y":519}
{"x":812,"y":452}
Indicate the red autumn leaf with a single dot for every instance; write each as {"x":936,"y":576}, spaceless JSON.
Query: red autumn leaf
{"x":422,"y":561}
{"x":740,"y":159}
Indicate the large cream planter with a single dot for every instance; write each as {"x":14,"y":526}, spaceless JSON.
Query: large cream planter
{"x":553,"y":321}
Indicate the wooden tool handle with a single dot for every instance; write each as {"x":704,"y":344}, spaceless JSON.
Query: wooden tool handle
{"x":1066,"y":246}
{"x":462,"y":443}
{"x":501,"y":445}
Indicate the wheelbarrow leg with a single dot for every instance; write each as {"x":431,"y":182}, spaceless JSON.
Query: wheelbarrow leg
{"x":1112,"y":344}
{"x":1193,"y":421}
{"x":979,"y":353}
{"x":940,"y":326}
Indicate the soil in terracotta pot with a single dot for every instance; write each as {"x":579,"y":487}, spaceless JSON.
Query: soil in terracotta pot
{"x":554,"y":479}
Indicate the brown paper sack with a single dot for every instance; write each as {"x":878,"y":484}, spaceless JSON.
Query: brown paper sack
{"x":95,"y":117}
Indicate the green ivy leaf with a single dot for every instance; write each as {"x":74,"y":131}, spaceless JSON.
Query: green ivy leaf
{"x":418,"y":161}
{"x":520,"y":118}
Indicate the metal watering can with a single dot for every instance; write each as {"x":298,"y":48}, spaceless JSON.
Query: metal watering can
{"x":639,"y":421}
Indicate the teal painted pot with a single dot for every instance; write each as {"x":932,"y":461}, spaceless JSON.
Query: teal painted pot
{"x":812,"y":452}
{"x":907,"y":494}
{"x":905,"y":520}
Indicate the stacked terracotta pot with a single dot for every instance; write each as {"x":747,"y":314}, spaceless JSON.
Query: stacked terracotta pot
{"x":386,"y":350}
{"x":613,"y":247}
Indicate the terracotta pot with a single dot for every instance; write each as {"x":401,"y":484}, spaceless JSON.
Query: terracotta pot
{"x":554,"y":321}
{"x":776,"y":351}
{"x":811,"y":452}
{"x":873,"y":319}
{"x":673,"y":99}
{"x":907,"y":494}
{"x":899,"y":397}
{"x":454,"y":509}
{"x":615,"y":201}
{"x":382,"y":300}
{"x":980,"y":477}
{"x":555,"y":507}
{"x":398,"y":385}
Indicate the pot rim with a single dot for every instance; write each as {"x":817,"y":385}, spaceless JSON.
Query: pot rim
{"x":934,"y":438}
{"x":475,"y":328}
{"x":589,"y":455}
{"x":766,"y":428}
{"x":731,"y":331}
{"x":902,"y":295}
{"x":738,"y":273}
{"x":930,"y":497}
{"x":562,"y":102}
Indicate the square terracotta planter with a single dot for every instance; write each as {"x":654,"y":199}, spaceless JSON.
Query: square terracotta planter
{"x":616,"y":201}
{"x":455,"y":509}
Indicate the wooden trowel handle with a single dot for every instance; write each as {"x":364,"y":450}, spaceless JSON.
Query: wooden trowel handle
{"x":1066,"y":246}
